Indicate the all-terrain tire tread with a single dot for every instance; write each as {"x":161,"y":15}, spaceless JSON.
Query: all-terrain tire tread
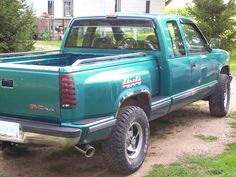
{"x":216,"y":101}
{"x":114,"y":144}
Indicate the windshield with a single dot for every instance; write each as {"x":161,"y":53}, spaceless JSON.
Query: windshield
{"x":113,"y":34}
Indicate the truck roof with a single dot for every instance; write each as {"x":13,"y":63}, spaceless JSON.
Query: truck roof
{"x":117,"y":15}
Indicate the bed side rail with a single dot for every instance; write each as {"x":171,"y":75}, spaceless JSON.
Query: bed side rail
{"x":106,"y":58}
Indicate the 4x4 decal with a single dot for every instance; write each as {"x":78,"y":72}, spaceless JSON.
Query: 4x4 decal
{"x":128,"y":83}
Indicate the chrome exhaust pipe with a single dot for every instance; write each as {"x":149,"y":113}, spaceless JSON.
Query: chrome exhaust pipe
{"x":87,"y":150}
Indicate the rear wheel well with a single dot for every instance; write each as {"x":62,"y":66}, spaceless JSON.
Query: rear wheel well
{"x":225,"y":70}
{"x":141,"y":100}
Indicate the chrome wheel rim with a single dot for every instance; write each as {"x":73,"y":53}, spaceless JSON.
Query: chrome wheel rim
{"x":134,"y":140}
{"x":226,"y":97}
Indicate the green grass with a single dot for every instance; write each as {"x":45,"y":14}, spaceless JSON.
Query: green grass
{"x":47,"y":45}
{"x":54,"y":43}
{"x":207,"y":138}
{"x":233,"y":61}
{"x":233,"y":124}
{"x":223,"y":165}
{"x":232,"y":115}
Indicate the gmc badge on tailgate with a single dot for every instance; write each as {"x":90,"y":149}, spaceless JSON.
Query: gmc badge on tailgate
{"x":41,"y":108}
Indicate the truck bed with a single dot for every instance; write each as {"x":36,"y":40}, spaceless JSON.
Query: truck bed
{"x":31,"y":85}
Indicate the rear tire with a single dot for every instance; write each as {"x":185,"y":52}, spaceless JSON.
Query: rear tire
{"x":126,"y":148}
{"x":220,"y":99}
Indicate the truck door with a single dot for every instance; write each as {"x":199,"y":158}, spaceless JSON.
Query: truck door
{"x":180,"y":67}
{"x":203,"y":65}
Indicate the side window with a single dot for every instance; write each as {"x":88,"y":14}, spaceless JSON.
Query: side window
{"x":176,"y":39}
{"x":195,"y":40}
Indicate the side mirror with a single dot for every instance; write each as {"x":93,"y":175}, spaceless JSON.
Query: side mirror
{"x":215,"y":43}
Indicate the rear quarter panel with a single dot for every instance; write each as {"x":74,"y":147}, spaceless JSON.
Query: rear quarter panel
{"x":99,"y":91}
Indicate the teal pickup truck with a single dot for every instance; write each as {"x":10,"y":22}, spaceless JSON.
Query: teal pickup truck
{"x":112,"y":76}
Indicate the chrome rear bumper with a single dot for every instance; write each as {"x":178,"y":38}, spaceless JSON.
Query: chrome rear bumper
{"x":44,"y":133}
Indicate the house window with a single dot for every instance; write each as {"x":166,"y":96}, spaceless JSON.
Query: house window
{"x":117,"y":5}
{"x":148,"y":6}
{"x":68,"y":8}
{"x":51,"y":7}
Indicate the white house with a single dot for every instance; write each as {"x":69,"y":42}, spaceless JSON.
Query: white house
{"x":54,"y":15}
{"x":72,"y":8}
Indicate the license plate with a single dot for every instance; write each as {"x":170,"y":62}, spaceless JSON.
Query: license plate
{"x":10,"y":131}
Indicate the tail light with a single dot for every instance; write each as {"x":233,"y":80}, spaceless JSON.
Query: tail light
{"x":68,"y":97}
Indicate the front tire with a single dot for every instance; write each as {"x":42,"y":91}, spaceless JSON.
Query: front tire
{"x":220,"y":99}
{"x":126,"y":148}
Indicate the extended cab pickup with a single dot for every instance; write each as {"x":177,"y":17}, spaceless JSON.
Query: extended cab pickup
{"x":111,"y":77}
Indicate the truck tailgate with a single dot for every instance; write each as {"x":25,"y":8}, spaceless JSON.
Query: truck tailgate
{"x":30,"y":94}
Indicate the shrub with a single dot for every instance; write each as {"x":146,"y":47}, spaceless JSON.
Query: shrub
{"x":177,"y":11}
{"x":17,"y":26}
{"x":45,"y":36}
{"x":216,"y":20}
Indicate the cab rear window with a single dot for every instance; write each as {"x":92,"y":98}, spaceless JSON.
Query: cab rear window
{"x":113,"y":34}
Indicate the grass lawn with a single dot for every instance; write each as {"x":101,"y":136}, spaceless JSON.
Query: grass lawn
{"x":233,"y":61}
{"x":47,"y":45}
{"x":223,"y":165}
{"x":54,"y":43}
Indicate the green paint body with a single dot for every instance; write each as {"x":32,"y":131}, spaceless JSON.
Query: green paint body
{"x":99,"y":87}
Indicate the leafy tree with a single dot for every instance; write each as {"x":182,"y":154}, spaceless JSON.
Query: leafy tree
{"x":216,"y":19}
{"x":177,"y":10}
{"x":17,"y":26}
